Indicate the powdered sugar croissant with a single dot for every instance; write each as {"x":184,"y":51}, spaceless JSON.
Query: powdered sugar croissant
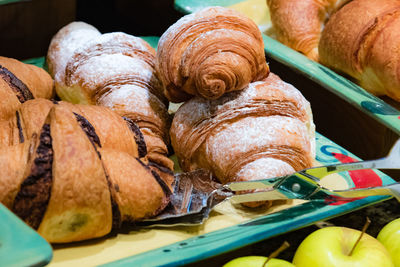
{"x":210,"y":52}
{"x":264,"y":131}
{"x":115,"y":70}
{"x":75,"y":174}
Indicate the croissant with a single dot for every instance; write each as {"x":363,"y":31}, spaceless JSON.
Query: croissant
{"x":362,"y":40}
{"x":63,"y":45}
{"x":20,"y":82}
{"x":69,"y":178}
{"x":115,"y":70}
{"x":298,"y":24}
{"x":210,"y":52}
{"x":264,"y":131}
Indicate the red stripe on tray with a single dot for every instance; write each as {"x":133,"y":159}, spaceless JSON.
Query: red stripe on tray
{"x":361,"y":178}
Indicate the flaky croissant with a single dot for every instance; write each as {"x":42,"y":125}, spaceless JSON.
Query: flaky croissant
{"x":115,"y":70}
{"x":298,"y":23}
{"x":264,"y":131}
{"x":210,"y":52}
{"x":362,"y":40}
{"x":20,"y":82}
{"x":77,"y":174}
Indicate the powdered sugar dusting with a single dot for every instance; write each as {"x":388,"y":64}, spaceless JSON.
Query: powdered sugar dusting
{"x":64,"y":43}
{"x":98,"y":70}
{"x":264,"y":168}
{"x":240,"y":125}
{"x":133,"y":99}
{"x":230,"y":141}
{"x":273,"y":88}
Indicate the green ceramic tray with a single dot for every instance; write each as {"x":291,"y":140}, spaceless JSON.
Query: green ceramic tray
{"x":339,"y":85}
{"x":254,"y":230}
{"x":20,"y":245}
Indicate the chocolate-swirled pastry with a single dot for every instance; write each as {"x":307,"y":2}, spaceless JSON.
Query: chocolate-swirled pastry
{"x":78,"y":172}
{"x":20,"y":82}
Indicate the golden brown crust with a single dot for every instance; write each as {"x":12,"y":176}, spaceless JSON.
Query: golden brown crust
{"x":210,"y":52}
{"x":20,"y":82}
{"x":36,"y":79}
{"x":112,"y":129}
{"x":361,"y":40}
{"x":137,"y":192}
{"x":9,"y":102}
{"x":298,"y":24}
{"x":59,"y":182}
{"x":13,"y":160}
{"x":33,"y":114}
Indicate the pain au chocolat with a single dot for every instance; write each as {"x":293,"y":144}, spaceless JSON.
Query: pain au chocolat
{"x":74,"y":172}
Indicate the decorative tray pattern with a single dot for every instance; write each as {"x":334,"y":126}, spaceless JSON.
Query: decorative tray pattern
{"x":337,"y":84}
{"x":226,"y":229}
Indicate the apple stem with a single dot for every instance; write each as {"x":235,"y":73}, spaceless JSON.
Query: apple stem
{"x":368,"y":221}
{"x":275,"y":254}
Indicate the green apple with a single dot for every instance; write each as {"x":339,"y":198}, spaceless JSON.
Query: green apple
{"x":331,"y":246}
{"x":257,"y":261}
{"x":390,"y":238}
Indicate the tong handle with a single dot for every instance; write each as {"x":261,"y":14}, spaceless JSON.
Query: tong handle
{"x":389,"y":190}
{"x":391,"y":161}
{"x":295,"y":187}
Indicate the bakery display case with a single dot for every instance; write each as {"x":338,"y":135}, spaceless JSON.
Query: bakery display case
{"x":103,"y":67}
{"x":343,"y":109}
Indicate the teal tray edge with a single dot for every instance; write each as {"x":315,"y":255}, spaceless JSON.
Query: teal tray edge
{"x":20,"y":245}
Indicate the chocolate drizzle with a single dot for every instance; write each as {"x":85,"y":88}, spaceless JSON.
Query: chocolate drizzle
{"x":20,"y":131}
{"x":161,"y":168}
{"x":90,"y":132}
{"x":139,"y":138}
{"x":32,"y":199}
{"x":20,"y":89}
{"x":88,"y":128}
{"x":164,"y":186}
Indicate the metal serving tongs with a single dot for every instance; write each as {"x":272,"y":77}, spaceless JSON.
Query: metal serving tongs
{"x":305,"y":184}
